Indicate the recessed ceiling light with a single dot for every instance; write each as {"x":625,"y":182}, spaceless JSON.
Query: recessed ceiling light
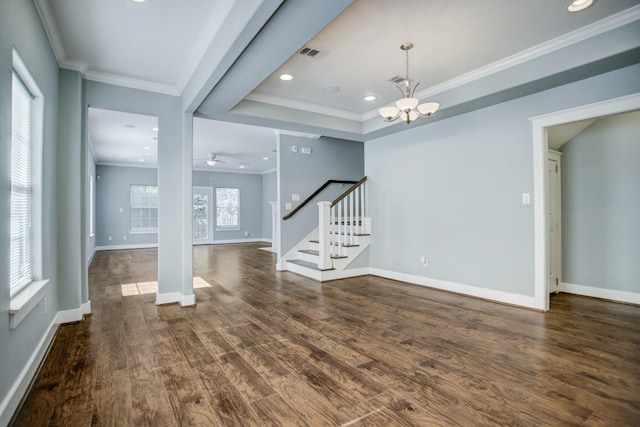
{"x":370,"y":98}
{"x":138,"y":1}
{"x":331,"y":89}
{"x":147,"y":148}
{"x":265,"y":158}
{"x":579,"y":5}
{"x":155,"y":129}
{"x":130,"y":126}
{"x":242,"y":166}
{"x":141,"y":160}
{"x":286,"y":77}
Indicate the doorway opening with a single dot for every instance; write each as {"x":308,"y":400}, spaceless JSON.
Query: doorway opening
{"x":541,"y":127}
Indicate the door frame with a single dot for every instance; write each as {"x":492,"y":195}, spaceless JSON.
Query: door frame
{"x":557,"y":253}
{"x":209,"y":190}
{"x":540,"y":155}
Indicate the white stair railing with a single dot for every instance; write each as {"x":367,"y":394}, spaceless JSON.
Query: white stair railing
{"x":340,"y":222}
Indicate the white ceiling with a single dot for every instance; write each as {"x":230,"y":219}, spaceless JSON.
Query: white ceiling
{"x":451,"y":38}
{"x":159,"y":44}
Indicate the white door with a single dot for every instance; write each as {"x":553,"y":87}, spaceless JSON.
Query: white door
{"x":554,"y":247}
{"x":202,"y":215}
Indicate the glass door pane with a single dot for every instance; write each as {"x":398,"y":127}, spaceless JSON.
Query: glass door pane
{"x":201,"y":215}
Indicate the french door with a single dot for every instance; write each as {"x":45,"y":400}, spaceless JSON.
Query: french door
{"x":202,"y":215}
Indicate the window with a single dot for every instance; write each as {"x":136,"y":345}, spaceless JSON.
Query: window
{"x":21,"y":261}
{"x":144,"y":208}
{"x":227,"y":208}
{"x":92,"y":206}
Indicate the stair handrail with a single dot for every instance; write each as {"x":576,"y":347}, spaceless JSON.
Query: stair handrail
{"x":315,"y":193}
{"x":349,"y":191}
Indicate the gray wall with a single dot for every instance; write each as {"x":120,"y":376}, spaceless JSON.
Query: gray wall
{"x":451,"y":190}
{"x":601,"y":205}
{"x":269,"y":194}
{"x":113,"y":184}
{"x":112,"y":193}
{"x":303,"y":173}
{"x":250,"y":186}
{"x":20,"y":26}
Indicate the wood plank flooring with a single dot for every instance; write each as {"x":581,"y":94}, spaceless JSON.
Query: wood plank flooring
{"x":263,"y":348}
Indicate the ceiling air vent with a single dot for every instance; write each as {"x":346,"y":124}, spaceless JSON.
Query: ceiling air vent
{"x":395,"y":79}
{"x":311,"y":53}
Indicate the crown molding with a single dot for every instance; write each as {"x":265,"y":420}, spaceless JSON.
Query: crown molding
{"x":203,"y":44}
{"x":599,"y":27}
{"x":131,"y":83}
{"x":566,"y":40}
{"x":127,"y":165}
{"x":220,"y":170}
{"x":304,"y":106}
{"x":49,"y":23}
{"x":298,"y":134}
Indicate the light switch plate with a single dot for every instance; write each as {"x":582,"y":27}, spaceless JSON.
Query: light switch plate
{"x":295,"y":197}
{"x":526,"y":198}
{"x":287,"y":206}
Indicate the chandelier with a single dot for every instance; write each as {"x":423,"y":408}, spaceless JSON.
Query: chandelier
{"x":408,"y":108}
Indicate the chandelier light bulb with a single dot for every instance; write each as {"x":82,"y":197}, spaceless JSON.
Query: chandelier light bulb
{"x":408,"y":108}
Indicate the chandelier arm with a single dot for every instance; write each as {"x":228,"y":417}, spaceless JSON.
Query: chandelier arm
{"x":414,"y":90}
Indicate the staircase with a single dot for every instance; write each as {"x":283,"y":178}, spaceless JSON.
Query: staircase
{"x":343,"y":233}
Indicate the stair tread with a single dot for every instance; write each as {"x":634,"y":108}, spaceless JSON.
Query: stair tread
{"x":344,"y":245}
{"x":314,"y":252}
{"x":309,"y":265}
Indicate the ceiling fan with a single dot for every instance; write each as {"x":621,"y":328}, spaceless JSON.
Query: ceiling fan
{"x":211,"y":160}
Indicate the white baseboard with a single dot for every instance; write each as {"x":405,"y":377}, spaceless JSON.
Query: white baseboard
{"x":224,"y":242}
{"x":119,"y":247}
{"x":168,"y":297}
{"x":171,"y":297}
{"x":93,"y":253}
{"x":188,"y":300}
{"x":460,"y":288}
{"x":20,"y":386}
{"x":609,"y":294}
{"x":75,"y":315}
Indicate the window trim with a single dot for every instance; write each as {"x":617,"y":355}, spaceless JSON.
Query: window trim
{"x":236,"y":227}
{"x":141,"y":230}
{"x":22,"y":301}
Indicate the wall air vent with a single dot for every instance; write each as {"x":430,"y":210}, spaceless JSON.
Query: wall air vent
{"x":396,"y":79}
{"x":311,"y":53}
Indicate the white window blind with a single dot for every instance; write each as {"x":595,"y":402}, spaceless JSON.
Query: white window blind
{"x":21,"y":268}
{"x":227,"y":208}
{"x":144,"y":208}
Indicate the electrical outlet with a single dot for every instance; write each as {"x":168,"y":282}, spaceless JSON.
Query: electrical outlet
{"x":294,"y":148}
{"x":45,"y":306}
{"x":424,"y":261}
{"x":110,"y":238}
{"x":124,"y":237}
{"x":295,"y":197}
{"x":121,"y":210}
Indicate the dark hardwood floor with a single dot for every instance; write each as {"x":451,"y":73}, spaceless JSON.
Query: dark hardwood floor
{"x":263,"y":348}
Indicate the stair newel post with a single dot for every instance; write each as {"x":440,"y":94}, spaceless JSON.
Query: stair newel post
{"x":324,"y":228}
